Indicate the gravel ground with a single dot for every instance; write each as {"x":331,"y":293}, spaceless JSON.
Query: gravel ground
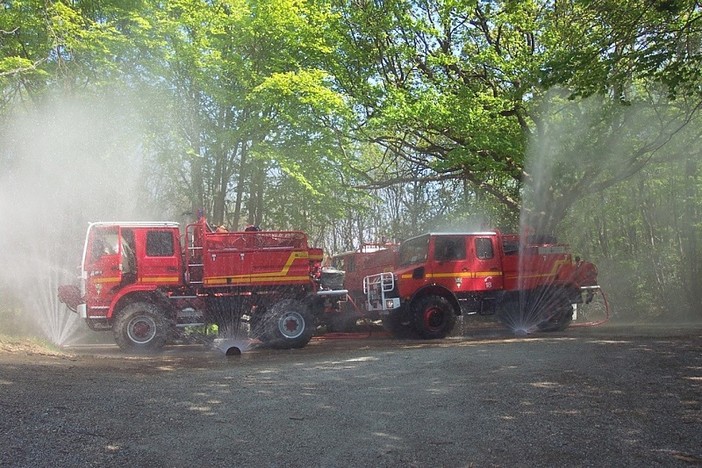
{"x":606,"y":396}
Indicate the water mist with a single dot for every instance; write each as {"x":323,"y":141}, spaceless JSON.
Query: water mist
{"x":63,"y":165}
{"x":561,"y":159}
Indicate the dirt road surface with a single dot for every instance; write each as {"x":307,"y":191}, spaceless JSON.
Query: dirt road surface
{"x":607,"y":396}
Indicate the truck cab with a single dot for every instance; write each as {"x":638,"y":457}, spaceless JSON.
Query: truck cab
{"x":437,"y":277}
{"x":456,"y":262}
{"x":120,"y":257}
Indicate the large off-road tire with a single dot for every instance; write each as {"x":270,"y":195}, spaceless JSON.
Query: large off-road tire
{"x":141,"y":327}
{"x":433,"y":316}
{"x":288,"y":324}
{"x":559,"y":320}
{"x":557,"y":313}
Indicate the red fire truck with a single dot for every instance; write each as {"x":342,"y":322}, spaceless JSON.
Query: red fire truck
{"x":143,"y":281}
{"x":527,"y":283}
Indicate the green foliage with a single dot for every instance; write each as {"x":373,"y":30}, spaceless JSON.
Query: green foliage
{"x":598,"y":46}
{"x":445,"y":85}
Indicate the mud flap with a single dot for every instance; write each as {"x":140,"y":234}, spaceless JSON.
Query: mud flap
{"x":70,"y":295}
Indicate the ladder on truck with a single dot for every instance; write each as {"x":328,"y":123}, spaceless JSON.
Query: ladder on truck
{"x":194,"y":266}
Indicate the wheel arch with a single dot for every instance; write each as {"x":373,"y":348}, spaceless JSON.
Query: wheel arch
{"x":436,"y":290}
{"x":138,"y":295}
{"x":141,"y":327}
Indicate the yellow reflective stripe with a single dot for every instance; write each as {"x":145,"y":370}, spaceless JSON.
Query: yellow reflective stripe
{"x":460,"y":274}
{"x":293,"y":256}
{"x":485,"y":274}
{"x":111,"y":279}
{"x":554,"y":271}
{"x":268,"y":276}
{"x":159,"y":279}
{"x":465,"y":274}
{"x":245,"y":280}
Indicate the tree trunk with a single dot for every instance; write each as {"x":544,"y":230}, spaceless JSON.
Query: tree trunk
{"x":197,"y":181}
{"x":255,"y":206}
{"x":221,"y":182}
{"x":647,"y":215}
{"x":243,"y":162}
{"x":690,"y":258}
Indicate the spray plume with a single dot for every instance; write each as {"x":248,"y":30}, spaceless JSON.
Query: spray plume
{"x":64,"y":164}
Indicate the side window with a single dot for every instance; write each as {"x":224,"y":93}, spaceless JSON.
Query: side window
{"x":483,"y":248}
{"x":414,"y":251}
{"x":128,"y":258}
{"x":159,"y":244}
{"x":510,"y":247}
{"x":447,"y":248}
{"x":104,"y":242}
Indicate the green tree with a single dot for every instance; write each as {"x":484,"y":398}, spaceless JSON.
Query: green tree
{"x":70,"y":46}
{"x":460,"y":88}
{"x":254,"y":110}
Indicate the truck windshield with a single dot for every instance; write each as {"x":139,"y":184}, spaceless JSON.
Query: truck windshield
{"x":414,"y":250}
{"x":105,"y":241}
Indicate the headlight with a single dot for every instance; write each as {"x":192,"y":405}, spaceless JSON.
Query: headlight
{"x":392,"y":303}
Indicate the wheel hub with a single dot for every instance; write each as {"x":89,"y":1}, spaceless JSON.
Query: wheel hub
{"x":141,"y":329}
{"x":433,"y":318}
{"x":291,"y":325}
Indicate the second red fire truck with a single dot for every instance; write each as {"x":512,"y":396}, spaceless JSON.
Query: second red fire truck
{"x":527,"y":283}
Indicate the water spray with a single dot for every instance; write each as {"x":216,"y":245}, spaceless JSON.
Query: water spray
{"x":233,"y":347}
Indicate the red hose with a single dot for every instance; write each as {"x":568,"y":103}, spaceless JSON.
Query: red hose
{"x":596,"y":323}
{"x":351,"y":335}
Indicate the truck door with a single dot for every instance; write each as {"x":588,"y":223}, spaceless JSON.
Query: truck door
{"x":466,"y":263}
{"x":160,"y":261}
{"x":103,"y":273}
{"x":486,"y":264}
{"x":449,"y":267}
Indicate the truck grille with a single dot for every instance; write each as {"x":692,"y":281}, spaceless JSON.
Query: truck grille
{"x":377,"y":289}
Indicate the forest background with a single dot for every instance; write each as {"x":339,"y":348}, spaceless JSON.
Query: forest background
{"x":357,"y":121}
